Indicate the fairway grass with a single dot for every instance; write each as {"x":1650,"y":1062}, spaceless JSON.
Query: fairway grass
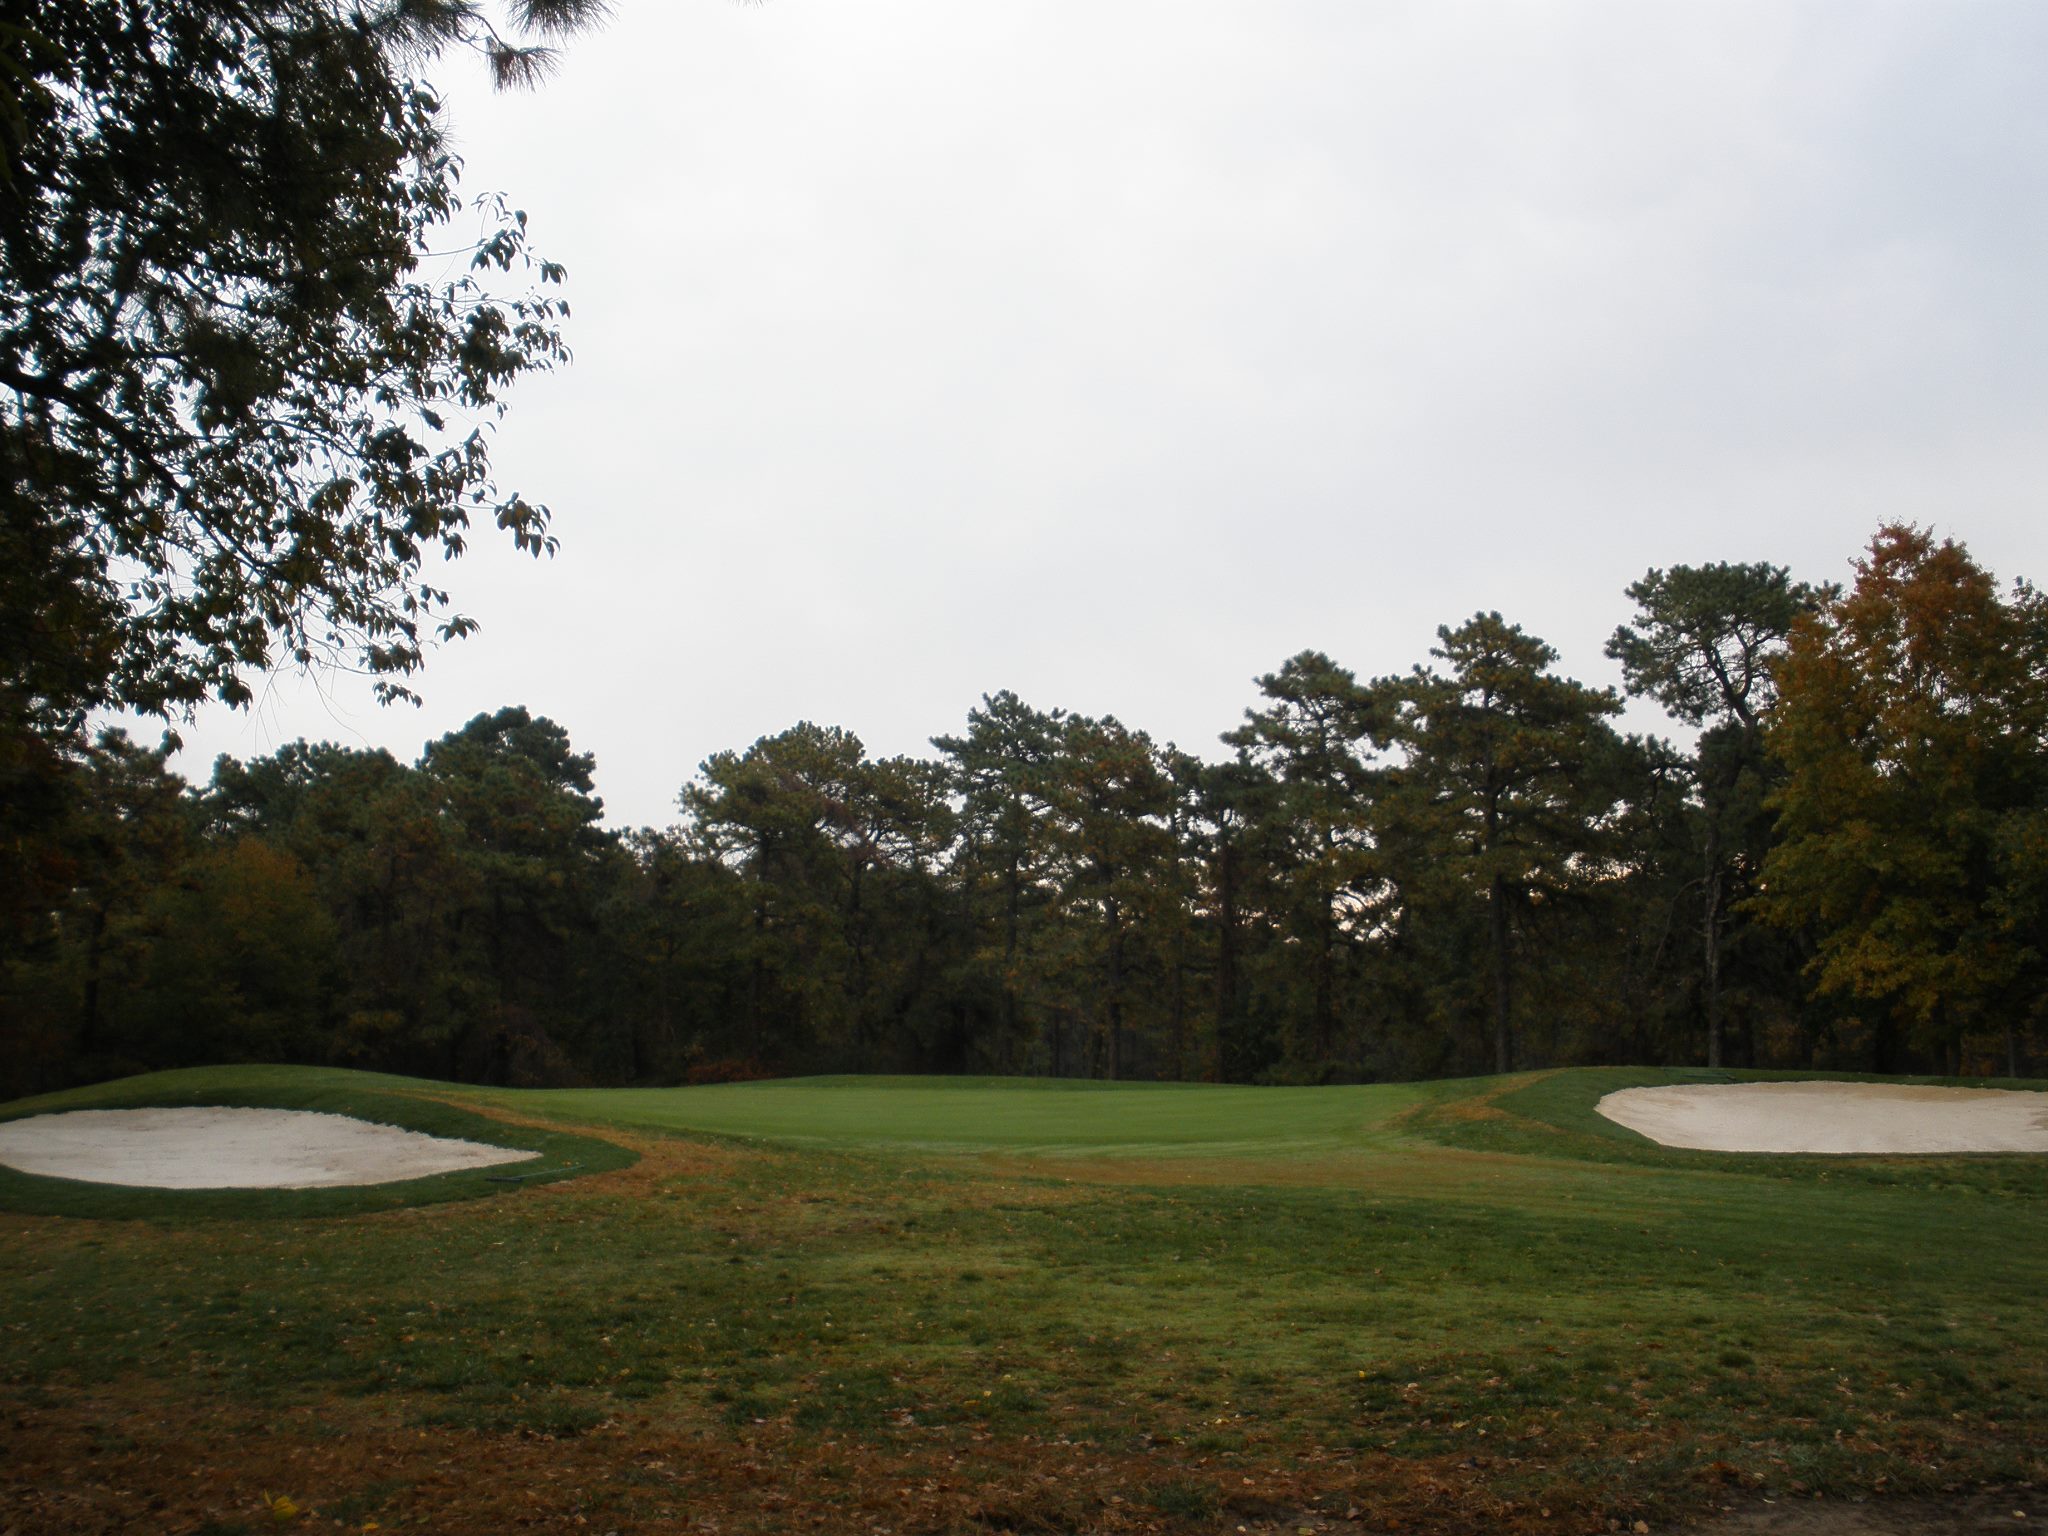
{"x":959,"y":1305}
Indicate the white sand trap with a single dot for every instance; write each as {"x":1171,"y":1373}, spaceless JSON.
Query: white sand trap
{"x":1834,"y":1117}
{"x":233,"y":1149}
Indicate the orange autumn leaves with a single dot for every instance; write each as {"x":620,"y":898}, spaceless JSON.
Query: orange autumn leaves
{"x":1913,"y":811}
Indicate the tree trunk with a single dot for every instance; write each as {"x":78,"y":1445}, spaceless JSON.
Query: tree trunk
{"x":1180,"y":1004}
{"x":1012,"y":904}
{"x":1326,"y":947}
{"x":1116,"y":990}
{"x":1503,"y":980}
{"x":1226,"y":955}
{"x":1712,"y":933}
{"x":665,"y":1011}
{"x":89,"y":1014}
{"x":757,"y":974}
{"x":1637,"y":1010}
{"x":856,"y":930}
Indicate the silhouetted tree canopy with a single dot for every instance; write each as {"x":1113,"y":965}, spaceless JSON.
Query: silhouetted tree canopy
{"x":1451,"y":870}
{"x":237,"y":416}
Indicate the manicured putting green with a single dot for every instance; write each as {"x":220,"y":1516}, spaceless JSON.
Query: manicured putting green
{"x":1034,"y":1115}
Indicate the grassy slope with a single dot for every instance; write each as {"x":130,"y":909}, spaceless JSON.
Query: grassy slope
{"x":1478,"y":1298}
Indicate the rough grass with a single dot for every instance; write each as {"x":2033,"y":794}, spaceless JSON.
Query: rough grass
{"x":975,"y":1306}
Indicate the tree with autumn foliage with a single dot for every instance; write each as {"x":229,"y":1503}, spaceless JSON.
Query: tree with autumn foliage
{"x":1910,"y":726}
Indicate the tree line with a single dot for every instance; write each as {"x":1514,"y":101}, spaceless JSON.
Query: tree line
{"x":1462,"y":868}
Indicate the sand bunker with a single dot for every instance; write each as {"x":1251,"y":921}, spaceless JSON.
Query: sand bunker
{"x":233,"y":1149}
{"x":1834,"y":1117}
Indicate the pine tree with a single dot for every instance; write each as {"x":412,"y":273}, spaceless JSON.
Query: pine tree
{"x":1702,"y":644}
{"x":1503,"y":787}
{"x":1314,"y":739}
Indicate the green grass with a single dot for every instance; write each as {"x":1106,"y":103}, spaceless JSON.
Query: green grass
{"x":1204,"y":1281}
{"x":986,"y":1114}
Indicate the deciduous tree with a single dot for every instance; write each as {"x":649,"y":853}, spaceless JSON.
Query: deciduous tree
{"x":1911,"y":723}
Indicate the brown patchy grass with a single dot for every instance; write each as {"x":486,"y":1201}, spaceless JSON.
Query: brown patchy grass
{"x":662,"y":1158}
{"x":137,"y":1459}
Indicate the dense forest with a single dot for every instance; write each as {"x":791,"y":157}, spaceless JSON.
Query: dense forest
{"x":1462,"y":868}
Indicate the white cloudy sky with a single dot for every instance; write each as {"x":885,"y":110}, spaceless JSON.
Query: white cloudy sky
{"x":1114,"y":352}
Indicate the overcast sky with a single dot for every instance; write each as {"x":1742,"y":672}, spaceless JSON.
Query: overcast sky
{"x":1113,"y":353}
